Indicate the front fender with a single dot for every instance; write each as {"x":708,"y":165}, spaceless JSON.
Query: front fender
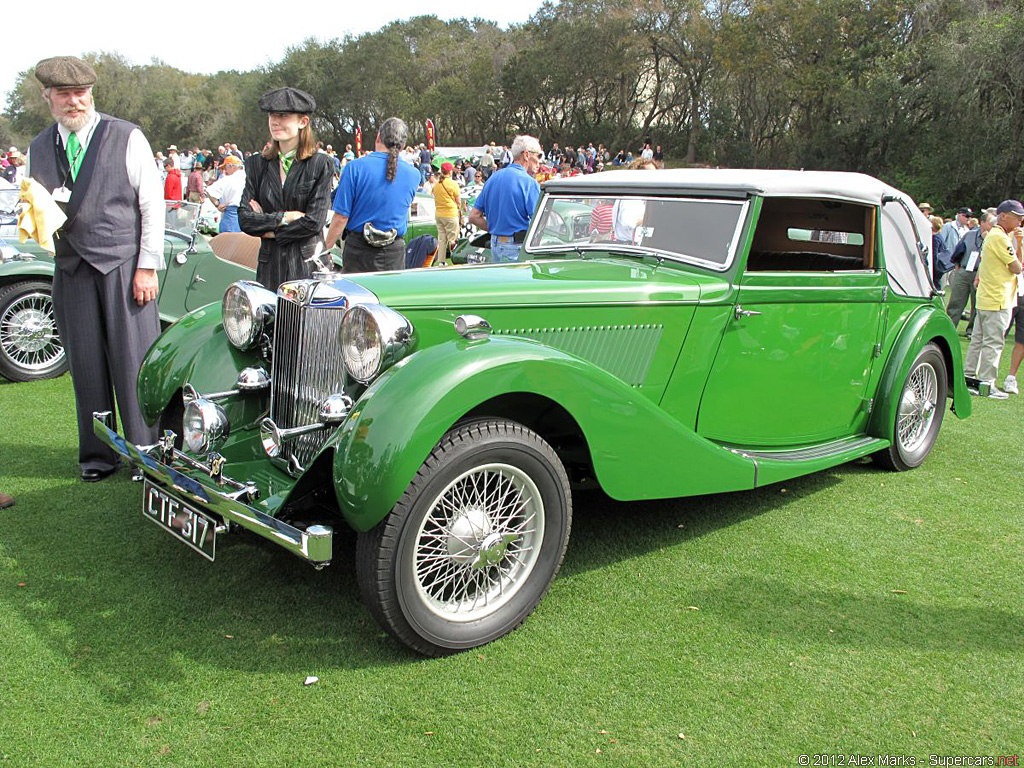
{"x":13,"y":271}
{"x":637,"y":450}
{"x":925,"y":324}
{"x":194,"y":350}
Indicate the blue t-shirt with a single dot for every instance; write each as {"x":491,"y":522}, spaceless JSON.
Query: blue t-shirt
{"x":365,"y":195}
{"x":508,"y":199}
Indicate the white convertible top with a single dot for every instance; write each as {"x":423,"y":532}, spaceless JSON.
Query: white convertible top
{"x":907,"y":274}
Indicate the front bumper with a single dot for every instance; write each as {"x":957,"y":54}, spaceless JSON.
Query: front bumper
{"x":224,"y":498}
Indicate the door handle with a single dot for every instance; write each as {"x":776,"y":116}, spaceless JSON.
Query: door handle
{"x":198,"y":279}
{"x":740,"y":312}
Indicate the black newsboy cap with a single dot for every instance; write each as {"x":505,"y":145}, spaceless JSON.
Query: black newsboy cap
{"x":65,"y":72}
{"x":287,"y":100}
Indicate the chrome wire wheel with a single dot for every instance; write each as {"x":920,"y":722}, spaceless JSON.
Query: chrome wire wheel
{"x":30,"y":345}
{"x":473,"y":544}
{"x":479,"y":541}
{"x":917,"y":413}
{"x":917,"y":407}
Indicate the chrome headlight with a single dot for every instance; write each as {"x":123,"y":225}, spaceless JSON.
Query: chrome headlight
{"x":205,"y":426}
{"x":373,"y":338}
{"x":247,"y":309}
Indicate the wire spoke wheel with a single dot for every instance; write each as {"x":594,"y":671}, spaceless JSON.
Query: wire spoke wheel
{"x":473,"y":544}
{"x":919,"y":412}
{"x":30,"y":345}
{"x":479,"y":541}
{"x":917,"y":407}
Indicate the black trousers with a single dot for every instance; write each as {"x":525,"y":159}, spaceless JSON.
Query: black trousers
{"x":106,"y":334}
{"x":360,"y":256}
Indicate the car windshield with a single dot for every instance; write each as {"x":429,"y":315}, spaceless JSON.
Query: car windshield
{"x":9,"y":213}
{"x":693,"y":230}
{"x":180,"y":217}
{"x":9,"y":200}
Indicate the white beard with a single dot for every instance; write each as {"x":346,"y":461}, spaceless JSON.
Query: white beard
{"x":77,"y":123}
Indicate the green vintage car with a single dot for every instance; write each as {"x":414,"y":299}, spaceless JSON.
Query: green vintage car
{"x":727,"y":330}
{"x":198,"y":270}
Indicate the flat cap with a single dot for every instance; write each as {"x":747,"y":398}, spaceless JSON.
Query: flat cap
{"x":65,"y":72}
{"x":287,"y":100}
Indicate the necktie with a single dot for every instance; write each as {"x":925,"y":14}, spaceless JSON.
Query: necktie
{"x":74,"y":153}
{"x":287,"y":160}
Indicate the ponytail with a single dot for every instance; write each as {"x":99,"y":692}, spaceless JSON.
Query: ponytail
{"x":392,"y":135}
{"x":392,"y":167}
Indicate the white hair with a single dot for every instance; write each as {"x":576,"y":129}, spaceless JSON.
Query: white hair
{"x":524,"y":143}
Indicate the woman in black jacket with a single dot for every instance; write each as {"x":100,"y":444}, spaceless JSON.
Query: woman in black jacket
{"x":287,"y":191}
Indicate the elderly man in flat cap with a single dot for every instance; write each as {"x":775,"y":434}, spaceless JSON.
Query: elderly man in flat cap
{"x":100,"y":169}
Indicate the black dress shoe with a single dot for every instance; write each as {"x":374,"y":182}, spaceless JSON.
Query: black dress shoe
{"x":95,"y":475}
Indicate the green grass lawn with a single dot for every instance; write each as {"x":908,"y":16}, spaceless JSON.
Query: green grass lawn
{"x":853,"y":611}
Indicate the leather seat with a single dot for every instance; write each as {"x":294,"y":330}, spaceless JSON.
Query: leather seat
{"x":236,"y":247}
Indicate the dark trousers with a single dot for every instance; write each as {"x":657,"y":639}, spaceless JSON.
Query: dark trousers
{"x":106,"y":334}
{"x":961,"y":288}
{"x":360,"y":256}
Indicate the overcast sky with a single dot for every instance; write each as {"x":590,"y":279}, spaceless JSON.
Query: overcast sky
{"x":228,"y":33}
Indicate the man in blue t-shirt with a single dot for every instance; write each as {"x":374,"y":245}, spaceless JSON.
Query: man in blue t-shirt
{"x":371,"y":204}
{"x":506,"y":203}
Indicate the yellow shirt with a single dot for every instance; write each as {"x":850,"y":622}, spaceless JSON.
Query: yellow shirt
{"x":446,"y":199}
{"x":996,"y":283}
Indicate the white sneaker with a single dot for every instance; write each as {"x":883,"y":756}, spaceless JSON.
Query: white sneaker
{"x":1010,"y":385}
{"x":998,"y":394}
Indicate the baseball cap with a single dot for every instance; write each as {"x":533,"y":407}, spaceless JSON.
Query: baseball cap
{"x":445,"y":167}
{"x":230,"y":160}
{"x":1011,"y":206}
{"x":966,"y":211}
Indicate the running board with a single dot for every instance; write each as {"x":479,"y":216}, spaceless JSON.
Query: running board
{"x":775,"y":464}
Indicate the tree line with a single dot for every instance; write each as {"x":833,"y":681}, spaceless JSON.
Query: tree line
{"x":925,"y":94}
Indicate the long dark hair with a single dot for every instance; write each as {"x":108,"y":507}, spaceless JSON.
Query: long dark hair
{"x":392,"y":135}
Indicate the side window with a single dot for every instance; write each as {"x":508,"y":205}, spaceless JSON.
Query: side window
{"x":800,"y":235}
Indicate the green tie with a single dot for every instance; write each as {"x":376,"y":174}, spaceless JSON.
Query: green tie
{"x":74,"y":153}
{"x":287,"y":160}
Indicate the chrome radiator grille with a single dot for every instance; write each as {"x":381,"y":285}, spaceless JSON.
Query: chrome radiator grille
{"x":306,"y":369}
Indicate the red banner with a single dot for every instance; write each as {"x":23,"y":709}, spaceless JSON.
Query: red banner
{"x":430,"y":135}
{"x":359,"y":141}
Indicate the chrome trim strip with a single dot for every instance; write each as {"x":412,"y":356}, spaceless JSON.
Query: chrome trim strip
{"x":820,"y":451}
{"x":314,"y":544}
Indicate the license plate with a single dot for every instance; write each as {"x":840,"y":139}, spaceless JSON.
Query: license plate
{"x":180,"y":520}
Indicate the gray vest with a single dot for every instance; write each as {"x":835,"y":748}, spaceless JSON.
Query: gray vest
{"x":104,"y":226}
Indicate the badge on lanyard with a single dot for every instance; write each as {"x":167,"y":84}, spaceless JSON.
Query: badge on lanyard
{"x":62,"y":194}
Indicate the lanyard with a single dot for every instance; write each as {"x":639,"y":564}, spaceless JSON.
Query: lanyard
{"x":81,"y":147}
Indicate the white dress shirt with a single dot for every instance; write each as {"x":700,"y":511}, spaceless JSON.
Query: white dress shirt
{"x":144,"y":179}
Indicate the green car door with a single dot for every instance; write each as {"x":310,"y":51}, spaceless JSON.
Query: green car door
{"x":795,"y":360}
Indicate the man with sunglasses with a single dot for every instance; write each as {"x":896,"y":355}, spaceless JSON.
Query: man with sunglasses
{"x":506,"y":203}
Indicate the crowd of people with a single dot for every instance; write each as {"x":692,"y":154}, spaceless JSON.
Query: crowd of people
{"x":12,"y":166}
{"x":979,"y":259}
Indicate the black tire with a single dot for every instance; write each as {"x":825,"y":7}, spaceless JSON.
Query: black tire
{"x":919,"y":414}
{"x":442,"y":543}
{"x":30,"y":346}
